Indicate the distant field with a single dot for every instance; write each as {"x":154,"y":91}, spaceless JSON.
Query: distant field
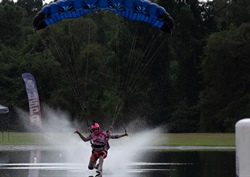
{"x":181,"y":139}
{"x":198,"y":139}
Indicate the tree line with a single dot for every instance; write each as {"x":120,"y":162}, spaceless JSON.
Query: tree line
{"x":103,"y":67}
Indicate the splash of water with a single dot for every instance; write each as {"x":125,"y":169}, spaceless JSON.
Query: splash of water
{"x":123,"y":151}
{"x":129,"y":149}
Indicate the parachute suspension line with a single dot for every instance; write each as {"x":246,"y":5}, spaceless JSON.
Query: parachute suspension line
{"x":130,"y":67}
{"x":86,"y":76}
{"x":141,"y":72}
{"x":144,"y":56}
{"x":151,"y":59}
{"x":65,"y":67}
{"x":71,"y":79}
{"x":130,"y":59}
{"x":60,"y":56}
{"x":149,"y":55}
{"x":87,"y":66}
{"x":118,"y":81}
{"x":75,"y":74}
{"x":118,"y":72}
{"x":122,"y":94}
{"x":136,"y":66}
{"x":65,"y":70}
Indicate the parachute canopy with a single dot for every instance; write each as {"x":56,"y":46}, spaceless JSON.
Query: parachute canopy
{"x":139,"y":10}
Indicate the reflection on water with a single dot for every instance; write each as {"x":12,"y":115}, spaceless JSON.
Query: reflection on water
{"x":35,"y":157}
{"x":199,"y":163}
{"x":150,"y":164}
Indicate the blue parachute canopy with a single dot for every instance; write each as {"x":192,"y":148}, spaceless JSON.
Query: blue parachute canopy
{"x":139,"y":10}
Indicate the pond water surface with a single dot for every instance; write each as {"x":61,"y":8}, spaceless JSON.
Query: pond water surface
{"x":150,"y":163}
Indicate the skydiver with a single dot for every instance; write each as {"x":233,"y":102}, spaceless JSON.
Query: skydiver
{"x":99,"y":143}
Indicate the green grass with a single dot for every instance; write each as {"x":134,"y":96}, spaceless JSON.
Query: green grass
{"x":168,"y":139}
{"x":198,"y":139}
{"x":20,"y":138}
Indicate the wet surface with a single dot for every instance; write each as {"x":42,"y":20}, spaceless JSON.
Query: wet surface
{"x":64,"y":169}
{"x":53,"y":161}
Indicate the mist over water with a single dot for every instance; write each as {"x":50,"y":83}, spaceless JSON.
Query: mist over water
{"x":68,"y":156}
{"x":122,"y":152}
{"x":127,"y":150}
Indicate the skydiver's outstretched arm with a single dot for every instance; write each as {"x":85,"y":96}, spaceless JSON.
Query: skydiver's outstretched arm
{"x":119,"y":136}
{"x":81,"y":136}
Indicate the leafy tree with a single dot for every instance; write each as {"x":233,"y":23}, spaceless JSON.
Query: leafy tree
{"x":31,"y":6}
{"x":239,"y":12}
{"x":83,"y":65}
{"x":226,"y":75}
{"x":11,"y":18}
{"x":186,"y":48}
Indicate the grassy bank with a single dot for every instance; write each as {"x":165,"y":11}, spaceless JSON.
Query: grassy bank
{"x":198,"y":139}
{"x":181,"y":139}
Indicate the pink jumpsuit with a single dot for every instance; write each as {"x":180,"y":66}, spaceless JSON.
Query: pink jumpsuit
{"x":99,"y":146}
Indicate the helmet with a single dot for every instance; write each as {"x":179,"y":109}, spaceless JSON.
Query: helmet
{"x":95,"y":128}
{"x":95,"y":125}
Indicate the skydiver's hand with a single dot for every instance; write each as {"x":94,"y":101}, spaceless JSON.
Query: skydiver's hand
{"x":125,"y":134}
{"x":77,"y":130}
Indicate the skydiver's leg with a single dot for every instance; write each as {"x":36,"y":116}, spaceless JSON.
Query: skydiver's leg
{"x":92,"y":161}
{"x":102,"y":156}
{"x":101,"y":159}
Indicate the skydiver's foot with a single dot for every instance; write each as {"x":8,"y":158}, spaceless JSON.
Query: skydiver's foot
{"x":99,"y":171}
{"x":98,"y":175}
